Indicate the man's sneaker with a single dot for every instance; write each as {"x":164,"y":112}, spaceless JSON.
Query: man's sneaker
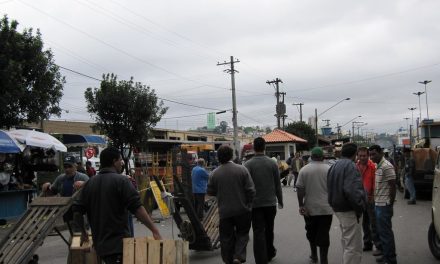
{"x":313,"y":259}
{"x":367,"y":248}
{"x":380,"y":260}
{"x":294,"y":189}
{"x":236,"y":261}
{"x":377,"y":252}
{"x":412,"y":202}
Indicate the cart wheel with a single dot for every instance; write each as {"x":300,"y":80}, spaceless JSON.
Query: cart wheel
{"x":187,"y":232}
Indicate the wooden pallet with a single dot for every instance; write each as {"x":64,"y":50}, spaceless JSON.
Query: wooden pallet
{"x":19,"y":245}
{"x":211,"y":223}
{"x":146,"y":250}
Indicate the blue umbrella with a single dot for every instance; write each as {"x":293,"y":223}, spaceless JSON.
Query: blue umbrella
{"x":8,"y":144}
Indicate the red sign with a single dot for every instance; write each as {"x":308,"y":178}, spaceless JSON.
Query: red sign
{"x":90,"y":152}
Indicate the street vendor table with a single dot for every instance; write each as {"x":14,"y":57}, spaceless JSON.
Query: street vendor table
{"x":14,"y":203}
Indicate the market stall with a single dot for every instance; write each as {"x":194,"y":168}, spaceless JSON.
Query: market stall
{"x":23,"y":154}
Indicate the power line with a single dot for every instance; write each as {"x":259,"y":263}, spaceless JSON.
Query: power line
{"x":168,"y":100}
{"x":116,"y":48}
{"x":82,"y":74}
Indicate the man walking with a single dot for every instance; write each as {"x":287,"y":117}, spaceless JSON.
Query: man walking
{"x":384,"y":196}
{"x":266,"y":177}
{"x":347,"y":197}
{"x":199,"y":177}
{"x":314,"y":206}
{"x":106,"y":199}
{"x":410,"y":168}
{"x":367,"y":168}
{"x":295,"y":164}
{"x":235,"y":191}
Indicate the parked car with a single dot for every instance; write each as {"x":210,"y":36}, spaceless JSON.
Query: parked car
{"x":434,"y":228}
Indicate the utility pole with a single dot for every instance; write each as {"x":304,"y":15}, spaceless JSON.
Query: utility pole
{"x":316,"y":127}
{"x":300,"y":111}
{"x":327,"y":121}
{"x":232,"y":71}
{"x":284,"y":114}
{"x":277,"y":95}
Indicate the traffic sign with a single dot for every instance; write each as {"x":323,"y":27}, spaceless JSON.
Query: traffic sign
{"x":90,"y":152}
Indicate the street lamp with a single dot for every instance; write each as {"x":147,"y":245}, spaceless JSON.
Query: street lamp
{"x":345,"y":99}
{"x":425,"y":82}
{"x":412,"y":119}
{"x":407,"y":128}
{"x":420,"y":107}
{"x":316,"y":117}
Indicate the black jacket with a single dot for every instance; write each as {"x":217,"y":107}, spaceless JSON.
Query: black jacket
{"x":345,"y":190}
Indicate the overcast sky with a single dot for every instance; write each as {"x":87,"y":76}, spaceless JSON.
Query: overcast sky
{"x":374,"y":52}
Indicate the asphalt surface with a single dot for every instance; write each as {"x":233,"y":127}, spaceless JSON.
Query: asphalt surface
{"x":410,"y":224}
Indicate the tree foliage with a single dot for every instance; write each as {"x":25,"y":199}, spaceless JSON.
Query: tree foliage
{"x":302,"y":130}
{"x":125,"y":111}
{"x":30,"y":83}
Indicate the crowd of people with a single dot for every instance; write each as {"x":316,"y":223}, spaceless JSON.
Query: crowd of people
{"x":359,"y":188}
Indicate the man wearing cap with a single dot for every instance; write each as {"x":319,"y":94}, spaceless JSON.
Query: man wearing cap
{"x":266,"y":177}
{"x":346,"y":195}
{"x":314,"y":206}
{"x":66,"y":184}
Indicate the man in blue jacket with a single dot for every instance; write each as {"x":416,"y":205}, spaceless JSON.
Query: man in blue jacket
{"x":199,"y":177}
{"x":347,"y":197}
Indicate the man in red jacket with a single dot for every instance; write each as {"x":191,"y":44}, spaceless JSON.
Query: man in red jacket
{"x":367,"y":168}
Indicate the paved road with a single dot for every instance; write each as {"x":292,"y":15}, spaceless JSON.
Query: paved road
{"x":410,"y":224}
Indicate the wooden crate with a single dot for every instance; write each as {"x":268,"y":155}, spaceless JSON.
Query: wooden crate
{"x":146,"y":250}
{"x":82,"y":254}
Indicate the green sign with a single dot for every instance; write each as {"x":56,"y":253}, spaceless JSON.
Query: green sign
{"x":211,"y":121}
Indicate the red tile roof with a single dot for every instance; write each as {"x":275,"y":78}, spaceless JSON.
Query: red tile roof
{"x":278,"y":135}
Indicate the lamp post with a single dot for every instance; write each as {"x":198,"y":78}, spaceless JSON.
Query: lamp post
{"x":420,"y":107}
{"x":316,"y":116}
{"x":345,"y":99}
{"x":425,"y":82}
{"x":412,"y":119}
{"x":407,"y":128}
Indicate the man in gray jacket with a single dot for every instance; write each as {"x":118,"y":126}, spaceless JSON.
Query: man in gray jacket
{"x":347,"y":197}
{"x":266,"y":177}
{"x":235,"y":191}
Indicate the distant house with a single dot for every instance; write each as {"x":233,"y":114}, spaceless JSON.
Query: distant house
{"x":280,"y":143}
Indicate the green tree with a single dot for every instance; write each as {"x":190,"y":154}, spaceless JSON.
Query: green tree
{"x":302,"y":130}
{"x":125,"y":111}
{"x":30,"y":82}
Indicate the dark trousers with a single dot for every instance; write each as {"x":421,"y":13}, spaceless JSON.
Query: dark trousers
{"x":199,"y":204}
{"x":385,"y":231}
{"x":262,"y":224}
{"x":112,"y":259}
{"x":317,"y":229}
{"x":369,"y":227}
{"x":234,"y":236}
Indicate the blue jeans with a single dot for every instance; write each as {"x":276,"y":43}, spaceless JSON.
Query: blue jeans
{"x":409,"y":182}
{"x":385,"y":231}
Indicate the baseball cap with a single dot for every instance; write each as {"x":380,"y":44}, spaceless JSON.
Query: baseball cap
{"x":317,"y":151}
{"x":71,"y":160}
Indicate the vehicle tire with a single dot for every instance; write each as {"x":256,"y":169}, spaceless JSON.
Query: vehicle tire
{"x":434,"y":242}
